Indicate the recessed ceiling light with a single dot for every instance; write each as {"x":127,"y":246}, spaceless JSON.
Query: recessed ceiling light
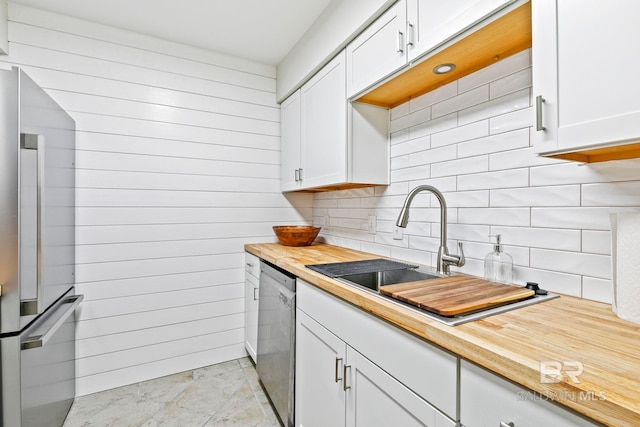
{"x":444,"y":68}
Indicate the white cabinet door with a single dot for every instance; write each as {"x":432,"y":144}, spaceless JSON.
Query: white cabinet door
{"x":378,"y":51}
{"x":320,"y":357}
{"x":432,"y":22}
{"x":585,"y":62}
{"x":324,"y":126}
{"x":376,"y":399}
{"x":251,"y":288}
{"x":290,"y":139}
{"x":487,"y":400}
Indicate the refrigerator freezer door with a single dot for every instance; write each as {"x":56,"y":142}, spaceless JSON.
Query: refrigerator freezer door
{"x":38,"y":368}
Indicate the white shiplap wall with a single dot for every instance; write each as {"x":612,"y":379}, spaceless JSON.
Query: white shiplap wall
{"x":177,"y":168}
{"x":471,"y":139}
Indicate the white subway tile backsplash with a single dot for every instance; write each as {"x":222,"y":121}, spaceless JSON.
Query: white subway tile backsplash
{"x":494,"y":143}
{"x":509,"y":65}
{"x":519,"y":119}
{"x":402,"y":122}
{"x":522,"y":158}
{"x":435,"y":155}
{"x":495,"y":216}
{"x":411,"y":146}
{"x":546,"y":238}
{"x":511,"y":83}
{"x":597,"y":289}
{"x":611,"y":194}
{"x":437,"y":95}
{"x":572,"y":262}
{"x":596,"y":242}
{"x":552,"y":281}
{"x":580,"y":218}
{"x":490,"y":180}
{"x":467,"y":165}
{"x":502,"y":105}
{"x":467,"y":199}
{"x":553,"y":215}
{"x":433,"y":126}
{"x":578,"y":173}
{"x":399,"y":111}
{"x":410,"y":174}
{"x":459,"y":134}
{"x":460,"y":102}
{"x":561,"y":195}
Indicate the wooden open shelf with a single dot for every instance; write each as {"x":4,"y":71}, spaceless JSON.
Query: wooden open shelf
{"x":497,"y":40}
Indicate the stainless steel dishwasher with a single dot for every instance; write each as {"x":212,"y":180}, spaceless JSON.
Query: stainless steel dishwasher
{"x":276,"y":339}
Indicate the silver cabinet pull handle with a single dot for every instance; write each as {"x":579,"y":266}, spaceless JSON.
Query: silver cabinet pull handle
{"x":255,"y":296}
{"x":296,"y":175}
{"x":338,"y":360}
{"x":539,"y":125}
{"x":300,"y":174}
{"x":400,"y":37}
{"x":507,"y":424}
{"x":410,"y":35}
{"x":345,"y":387}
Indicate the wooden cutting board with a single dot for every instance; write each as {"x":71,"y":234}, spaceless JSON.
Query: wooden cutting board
{"x":450,"y":296}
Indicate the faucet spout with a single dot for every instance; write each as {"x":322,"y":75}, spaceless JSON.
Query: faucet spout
{"x":444,"y":258}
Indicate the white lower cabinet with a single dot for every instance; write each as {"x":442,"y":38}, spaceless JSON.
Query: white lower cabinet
{"x":251,"y":288}
{"x":488,"y":400}
{"x":336,"y":385}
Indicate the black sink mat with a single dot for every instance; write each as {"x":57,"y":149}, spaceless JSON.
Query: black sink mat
{"x":339,"y":269}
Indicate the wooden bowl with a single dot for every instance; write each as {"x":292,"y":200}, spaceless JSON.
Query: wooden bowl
{"x":296,"y":235}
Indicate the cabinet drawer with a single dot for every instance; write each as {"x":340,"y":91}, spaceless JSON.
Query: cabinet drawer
{"x":252,"y":264}
{"x":488,"y":400}
{"x":428,"y":371}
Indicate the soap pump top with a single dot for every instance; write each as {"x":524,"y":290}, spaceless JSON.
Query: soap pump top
{"x":498,"y":265}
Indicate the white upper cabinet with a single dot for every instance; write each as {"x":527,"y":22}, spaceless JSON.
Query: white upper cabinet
{"x":324,"y":126}
{"x":379,"y":50}
{"x":431,"y":22}
{"x":585,"y":83}
{"x":290,"y":134}
{"x":328,"y":143}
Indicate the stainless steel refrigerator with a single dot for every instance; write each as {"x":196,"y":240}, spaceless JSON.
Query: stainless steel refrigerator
{"x":37,"y":255}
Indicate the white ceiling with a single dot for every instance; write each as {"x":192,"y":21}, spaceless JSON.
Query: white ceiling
{"x":260,"y":30}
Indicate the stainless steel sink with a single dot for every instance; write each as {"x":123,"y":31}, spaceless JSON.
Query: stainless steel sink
{"x":376,"y":279}
{"x":370,"y":281}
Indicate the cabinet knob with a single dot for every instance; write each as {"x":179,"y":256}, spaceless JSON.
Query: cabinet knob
{"x":507,"y":424}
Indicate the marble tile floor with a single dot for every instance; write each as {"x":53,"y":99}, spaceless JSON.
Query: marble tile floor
{"x":223,"y":395}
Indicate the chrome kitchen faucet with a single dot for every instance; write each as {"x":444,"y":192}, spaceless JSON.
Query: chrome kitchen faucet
{"x":444,"y":258}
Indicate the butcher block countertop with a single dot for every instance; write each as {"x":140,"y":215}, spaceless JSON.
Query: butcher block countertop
{"x":511,"y":344}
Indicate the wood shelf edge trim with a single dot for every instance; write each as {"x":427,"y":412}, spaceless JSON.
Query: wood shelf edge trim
{"x":595,"y":155}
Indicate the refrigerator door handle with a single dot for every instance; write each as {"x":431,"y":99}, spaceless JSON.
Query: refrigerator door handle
{"x":30,"y":141}
{"x":40,"y":339}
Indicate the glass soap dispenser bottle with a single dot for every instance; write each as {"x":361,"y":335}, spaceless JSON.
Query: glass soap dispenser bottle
{"x":498,"y":265}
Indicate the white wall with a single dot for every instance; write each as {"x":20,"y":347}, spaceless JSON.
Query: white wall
{"x":471,"y":140}
{"x":177,"y":168}
{"x":338,"y":24}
